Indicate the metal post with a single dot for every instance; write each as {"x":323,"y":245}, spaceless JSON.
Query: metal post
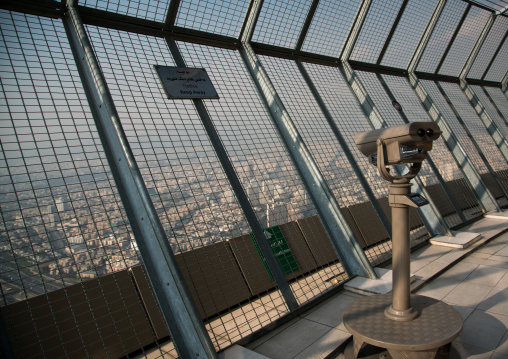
{"x":236,"y":185}
{"x":492,"y":129}
{"x":345,"y":148}
{"x":185,"y":325}
{"x":347,"y":247}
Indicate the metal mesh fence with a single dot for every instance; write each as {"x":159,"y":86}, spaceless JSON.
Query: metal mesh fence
{"x":280,"y":23}
{"x":464,"y":41}
{"x":375,"y":29}
{"x":72,"y":283}
{"x":489,"y":47}
{"x":491,"y":109}
{"x":154,"y":10}
{"x":217,"y":17}
{"x":497,"y":70}
{"x":327,"y":33}
{"x":452,"y":178}
{"x":408,"y":33}
{"x":441,"y":35}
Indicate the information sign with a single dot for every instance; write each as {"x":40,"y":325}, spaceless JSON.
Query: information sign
{"x":186,"y":83}
{"x":280,"y":249}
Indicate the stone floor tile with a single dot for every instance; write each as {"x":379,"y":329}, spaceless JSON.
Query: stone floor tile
{"x":486,"y":275}
{"x":467,"y":294}
{"x":254,"y":344}
{"x":495,"y":302}
{"x":293,"y":340}
{"x":429,"y":270}
{"x":330,"y":312}
{"x":482,"y":330}
{"x":438,"y":288}
{"x":463,"y":351}
{"x":459,"y":271}
{"x":465,"y":312}
{"x":497,"y":355}
{"x":502,"y":348}
{"x":325,"y":345}
{"x":503,"y":282}
{"x":239,"y":352}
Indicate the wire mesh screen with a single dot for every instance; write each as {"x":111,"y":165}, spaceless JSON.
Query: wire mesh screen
{"x":408,"y":33}
{"x":483,"y":141}
{"x":375,"y":30}
{"x":202,"y":218}
{"x":154,"y":10}
{"x":267,"y":173}
{"x":464,"y":41}
{"x":489,"y":47}
{"x":491,"y":109}
{"x":497,"y":70}
{"x":280,"y":22}
{"x":452,"y":179}
{"x":391,"y":117}
{"x":328,"y":32}
{"x":442,"y":35}
{"x":349,"y":119}
{"x":65,"y":243}
{"x":218,"y":17}
{"x":499,"y":99}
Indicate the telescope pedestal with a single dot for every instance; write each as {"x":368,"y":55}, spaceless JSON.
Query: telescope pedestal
{"x":408,"y":326}
{"x":435,"y":327}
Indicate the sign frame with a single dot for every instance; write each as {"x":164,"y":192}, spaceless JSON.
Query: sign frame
{"x":186,"y":82}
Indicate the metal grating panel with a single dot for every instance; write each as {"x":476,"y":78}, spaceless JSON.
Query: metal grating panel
{"x":154,"y":10}
{"x":328,"y":32}
{"x":375,"y":29}
{"x":493,"y":40}
{"x":222,"y":17}
{"x":280,"y":22}
{"x":465,"y":41}
{"x":498,"y":68}
{"x":408,"y":33}
{"x":441,"y":35}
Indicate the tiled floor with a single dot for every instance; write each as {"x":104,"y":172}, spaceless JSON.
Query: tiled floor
{"x":473,"y":280}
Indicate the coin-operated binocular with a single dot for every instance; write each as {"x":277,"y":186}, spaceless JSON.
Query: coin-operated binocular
{"x":392,"y":146}
{"x":397,"y":145}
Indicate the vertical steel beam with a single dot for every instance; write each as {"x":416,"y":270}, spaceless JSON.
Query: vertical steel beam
{"x":185,"y":324}
{"x":355,"y":30}
{"x":343,"y":240}
{"x":478,"y":45}
{"x":452,"y":40}
{"x":481,"y":191}
{"x":492,"y":129}
{"x":236,"y":185}
{"x":345,"y":148}
{"x":415,"y":60}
